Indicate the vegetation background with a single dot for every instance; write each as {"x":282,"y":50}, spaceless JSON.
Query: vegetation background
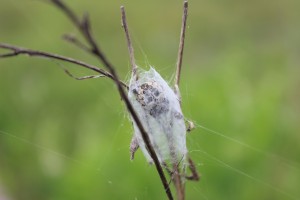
{"x":63,"y":139}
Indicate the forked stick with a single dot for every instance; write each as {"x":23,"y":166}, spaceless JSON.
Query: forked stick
{"x":195,"y":176}
{"x":84,"y":27}
{"x":129,"y":44}
{"x":181,"y":48}
{"x":19,"y":50}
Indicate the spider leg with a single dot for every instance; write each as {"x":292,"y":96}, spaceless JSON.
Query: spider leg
{"x":82,"y":78}
{"x":195,"y":176}
{"x":134,"y":146}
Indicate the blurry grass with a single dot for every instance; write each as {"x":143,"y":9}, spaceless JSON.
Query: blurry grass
{"x":240,"y":78}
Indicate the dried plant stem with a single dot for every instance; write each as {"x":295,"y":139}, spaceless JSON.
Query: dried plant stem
{"x":179,"y":184}
{"x":181,"y":48}
{"x":76,"y":42}
{"x":84,"y":77}
{"x":19,"y":50}
{"x":195,"y":175}
{"x":85,"y":29}
{"x":129,"y":43}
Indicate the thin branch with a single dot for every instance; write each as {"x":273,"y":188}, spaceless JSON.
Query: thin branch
{"x":82,"y":25}
{"x":7,"y":55}
{"x":129,"y":44}
{"x":181,"y":47}
{"x":82,"y":78}
{"x":73,"y":40}
{"x":195,"y":176}
{"x":71,"y":15}
{"x":19,"y":50}
{"x":85,"y":29}
{"x":179,"y":184}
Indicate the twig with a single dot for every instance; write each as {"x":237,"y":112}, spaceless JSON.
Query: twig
{"x":181,"y":47}
{"x":82,"y":78}
{"x":129,"y":44}
{"x":82,"y":25}
{"x":76,"y":42}
{"x":19,"y":50}
{"x":85,"y":28}
{"x":180,"y":186}
{"x":67,"y":11}
{"x":195,"y":176}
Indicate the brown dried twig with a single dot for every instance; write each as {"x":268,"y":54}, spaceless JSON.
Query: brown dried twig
{"x":195,"y":176}
{"x":179,"y":184}
{"x":129,"y":44}
{"x":85,"y":29}
{"x":73,"y":40}
{"x":19,"y":50}
{"x":181,"y":48}
{"x":84,"y":77}
{"x":83,"y":25}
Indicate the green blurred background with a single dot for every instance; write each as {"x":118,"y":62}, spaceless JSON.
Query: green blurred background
{"x":63,"y":139}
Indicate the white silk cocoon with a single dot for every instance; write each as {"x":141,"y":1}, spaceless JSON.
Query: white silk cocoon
{"x":160,"y":113}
